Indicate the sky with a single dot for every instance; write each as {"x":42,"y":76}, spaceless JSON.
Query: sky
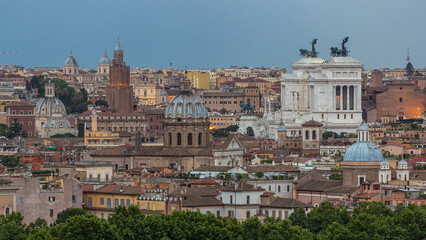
{"x":211,"y":33}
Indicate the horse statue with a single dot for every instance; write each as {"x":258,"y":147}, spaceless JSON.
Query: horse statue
{"x":307,"y":53}
{"x":335,"y":52}
{"x":247,"y":106}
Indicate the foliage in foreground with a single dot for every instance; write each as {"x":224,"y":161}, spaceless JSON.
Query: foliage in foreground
{"x":368,"y":221}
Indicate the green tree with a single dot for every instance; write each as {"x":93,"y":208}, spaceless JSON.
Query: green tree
{"x":329,"y":134}
{"x":259,"y":175}
{"x":67,"y":213}
{"x":250,"y":132}
{"x":232,"y":128}
{"x":298,"y":217}
{"x":4,"y":130}
{"x":101,"y":103}
{"x":11,"y":226}
{"x":16,"y":130}
{"x":10,"y":161}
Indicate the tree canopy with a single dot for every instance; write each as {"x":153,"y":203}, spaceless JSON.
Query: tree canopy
{"x":368,"y":221}
{"x":74,"y":101}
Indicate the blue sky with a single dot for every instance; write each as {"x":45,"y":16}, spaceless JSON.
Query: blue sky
{"x":211,"y":33}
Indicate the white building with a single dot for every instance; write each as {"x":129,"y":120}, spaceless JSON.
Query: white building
{"x":325,"y":91}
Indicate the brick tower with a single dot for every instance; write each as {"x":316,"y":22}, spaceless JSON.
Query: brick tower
{"x":119,"y":93}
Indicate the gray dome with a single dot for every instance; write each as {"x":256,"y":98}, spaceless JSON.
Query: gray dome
{"x":57,"y":123}
{"x":164,"y":93}
{"x":70,"y":61}
{"x":104,"y":60}
{"x":186,"y":105}
{"x":363,"y":151}
{"x":50,"y":106}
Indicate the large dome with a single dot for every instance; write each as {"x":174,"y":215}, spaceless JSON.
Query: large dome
{"x":57,"y":123}
{"x":49,"y":106}
{"x":363,"y":152}
{"x":70,"y":61}
{"x":186,"y":105}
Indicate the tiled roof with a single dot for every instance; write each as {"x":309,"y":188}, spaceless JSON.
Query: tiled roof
{"x":342,"y":189}
{"x":213,"y":168}
{"x":270,"y":168}
{"x":242,"y":187}
{"x":197,"y":201}
{"x":117,"y":189}
{"x":287,"y":203}
{"x":313,"y":181}
{"x":312,"y":123}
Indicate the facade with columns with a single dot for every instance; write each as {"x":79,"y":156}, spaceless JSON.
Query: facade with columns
{"x":326,"y":91}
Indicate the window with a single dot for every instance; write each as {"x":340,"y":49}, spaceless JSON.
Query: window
{"x":127,"y":202}
{"x":314,"y":135}
{"x":179,"y":139}
{"x":13,"y":112}
{"x":190,"y":139}
{"x":288,"y":188}
{"x":338,"y":116}
{"x":269,"y":188}
{"x":248,"y":214}
{"x":122,"y":202}
{"x":306,"y":134}
{"x":147,"y":205}
{"x":279,"y":188}
{"x":21,"y":199}
{"x":400,"y":100}
{"x":230,"y":199}
{"x":51,"y":212}
{"x":89,"y":201}
{"x":170,"y":139}
{"x":199,"y":138}
{"x":74,"y":198}
{"x":116,"y":202}
{"x":21,"y":112}
{"x":102,"y":201}
{"x":217,"y":213}
{"x":248,"y":199}
{"x":51,"y":199}
{"x":30,"y":112}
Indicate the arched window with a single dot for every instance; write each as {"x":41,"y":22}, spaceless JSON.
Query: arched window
{"x":170,"y":139}
{"x":179,"y":139}
{"x":307,"y":135}
{"x":200,"y":138}
{"x":314,"y":135}
{"x":190,"y":139}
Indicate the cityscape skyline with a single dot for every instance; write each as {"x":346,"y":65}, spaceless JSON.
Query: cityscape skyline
{"x":241,"y":33}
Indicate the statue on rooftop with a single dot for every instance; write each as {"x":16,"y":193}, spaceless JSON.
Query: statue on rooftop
{"x":312,"y":53}
{"x":335,"y":52}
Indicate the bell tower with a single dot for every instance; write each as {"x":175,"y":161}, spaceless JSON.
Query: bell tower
{"x":119,"y":92}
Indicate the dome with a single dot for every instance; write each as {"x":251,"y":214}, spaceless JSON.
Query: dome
{"x":186,"y":105}
{"x":164,"y":93}
{"x":384,"y":163}
{"x":363,"y":127}
{"x":56,"y":123}
{"x":104,"y":60}
{"x":70,"y":61}
{"x":50,"y":106}
{"x":402,"y":162}
{"x":363,"y":151}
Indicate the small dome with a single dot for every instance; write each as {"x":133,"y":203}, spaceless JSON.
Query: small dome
{"x":50,"y":106}
{"x":402,"y":162}
{"x":70,"y":61}
{"x":57,"y":123}
{"x":104,"y":60}
{"x":363,"y":127}
{"x":384,"y":163}
{"x":164,"y":93}
{"x":186,"y":105}
{"x":363,"y":151}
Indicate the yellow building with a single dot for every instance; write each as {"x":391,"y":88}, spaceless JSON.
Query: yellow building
{"x":218,"y":121}
{"x":7,"y":197}
{"x":102,"y":201}
{"x":199,"y":80}
{"x":95,"y":138}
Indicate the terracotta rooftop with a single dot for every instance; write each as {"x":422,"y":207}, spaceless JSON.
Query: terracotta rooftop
{"x":242,"y":187}
{"x":314,"y":181}
{"x":287,"y":203}
{"x":270,"y":168}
